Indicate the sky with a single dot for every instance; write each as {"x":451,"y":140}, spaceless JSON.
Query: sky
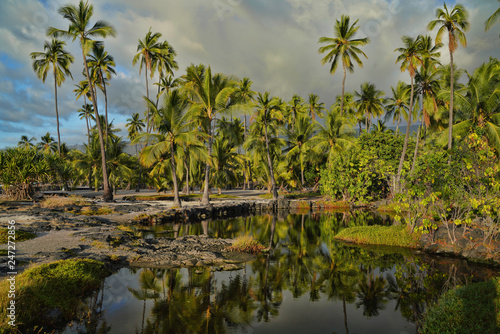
{"x":274,"y":43}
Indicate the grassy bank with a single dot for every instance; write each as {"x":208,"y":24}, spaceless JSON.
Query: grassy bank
{"x":60,"y":285}
{"x":470,"y":309}
{"x":20,"y":236}
{"x":380,"y":235}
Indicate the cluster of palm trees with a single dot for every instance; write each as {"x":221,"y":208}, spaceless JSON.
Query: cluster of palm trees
{"x":196,"y":131}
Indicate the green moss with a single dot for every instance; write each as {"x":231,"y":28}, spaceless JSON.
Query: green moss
{"x":57,"y":285}
{"x":380,"y":235}
{"x":20,"y":235}
{"x":470,"y":309}
{"x":246,"y":244}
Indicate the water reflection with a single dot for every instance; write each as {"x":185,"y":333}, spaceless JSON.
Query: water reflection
{"x":305,"y":283}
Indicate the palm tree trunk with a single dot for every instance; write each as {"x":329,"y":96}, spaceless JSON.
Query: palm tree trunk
{"x":205,"y":198}
{"x":416,"y":149}
{"x":270,"y":163}
{"x":244,"y":162}
{"x":57,"y":114}
{"x":343,"y":87}
{"x":107,"y":193}
{"x":177,"y":201}
{"x":397,"y":125}
{"x":407,"y":135}
{"x":302,"y":169}
{"x":187,"y":178}
{"x":105,"y":105}
{"x":450,"y":121}
{"x":147,"y":95}
{"x":88,"y":143}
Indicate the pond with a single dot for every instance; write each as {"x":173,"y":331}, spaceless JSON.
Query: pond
{"x":307,"y":283}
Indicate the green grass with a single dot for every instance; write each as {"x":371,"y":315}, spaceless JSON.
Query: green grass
{"x":20,"y":236}
{"x":395,"y":235}
{"x":246,"y":244}
{"x":62,"y":284}
{"x":470,"y":309}
{"x":294,"y":195}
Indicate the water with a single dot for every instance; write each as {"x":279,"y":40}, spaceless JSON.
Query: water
{"x":308,"y":283}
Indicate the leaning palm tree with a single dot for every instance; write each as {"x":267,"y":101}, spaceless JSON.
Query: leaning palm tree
{"x":79,"y":20}
{"x":492,"y":19}
{"x":397,"y":105}
{"x":370,"y":102}
{"x":102,"y":67}
{"x":59,"y":59}
{"x":455,"y":23}
{"x":410,"y":58}
{"x":146,"y":50}
{"x":343,"y":46}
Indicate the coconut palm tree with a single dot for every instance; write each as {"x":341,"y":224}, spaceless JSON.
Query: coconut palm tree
{"x":335,"y":135}
{"x":455,"y":23}
{"x":397,"y":105}
{"x":224,"y":160}
{"x":315,"y":107}
{"x":268,"y":110}
{"x":79,"y":28}
{"x":165,"y":64}
{"x":410,"y":57}
{"x":146,"y":51}
{"x":370,"y":102}
{"x":135,"y":125}
{"x":102,"y":67}
{"x":492,"y":19}
{"x":343,"y":46}
{"x":298,"y":143}
{"x":174,"y":124}
{"x":26,"y":142}
{"x":209,"y":95}
{"x":47,"y":144}
{"x":60,"y":60}
{"x":86,"y":112}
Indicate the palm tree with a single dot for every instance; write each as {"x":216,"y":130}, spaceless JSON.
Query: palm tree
{"x":79,"y":18}
{"x":294,"y":109}
{"x":224,"y":160}
{"x":370,"y":102}
{"x":456,"y":23}
{"x":60,"y":60}
{"x":315,"y":107}
{"x":410,"y":58}
{"x":87,"y":112}
{"x":335,"y":135}
{"x":397,"y":105}
{"x":101,"y":64}
{"x":47,"y":144}
{"x":146,"y":50}
{"x":299,"y":142}
{"x":26,"y":142}
{"x":492,"y":19}
{"x":134,"y":127}
{"x":174,"y":124}
{"x":268,"y":111}
{"x":208,"y":95}
{"x":165,"y":64}
{"x":344,"y":47}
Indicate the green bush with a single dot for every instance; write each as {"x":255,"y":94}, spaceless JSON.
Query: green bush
{"x":470,"y":309}
{"x":362,"y":173}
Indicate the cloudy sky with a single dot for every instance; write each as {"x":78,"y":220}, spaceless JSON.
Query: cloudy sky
{"x":274,"y":43}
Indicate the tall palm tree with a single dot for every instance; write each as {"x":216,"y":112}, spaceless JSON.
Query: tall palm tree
{"x":397,"y":105}
{"x":87,"y":112}
{"x":60,"y":60}
{"x":315,"y":107}
{"x":224,"y":160}
{"x":370,"y":102}
{"x":492,"y":19}
{"x":146,"y":50}
{"x":102,"y":67}
{"x":299,"y":142}
{"x":174,"y":124}
{"x":268,"y":111}
{"x":165,"y":64}
{"x":455,"y":23}
{"x":410,"y":58}
{"x":335,"y":135}
{"x":343,"y":46}
{"x":26,"y":142}
{"x":135,"y":125}
{"x":209,"y":95}
{"x":79,"y":21}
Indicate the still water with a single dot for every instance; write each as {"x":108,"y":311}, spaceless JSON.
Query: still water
{"x":307,"y":283}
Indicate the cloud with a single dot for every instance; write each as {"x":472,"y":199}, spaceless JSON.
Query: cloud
{"x":274,"y":43}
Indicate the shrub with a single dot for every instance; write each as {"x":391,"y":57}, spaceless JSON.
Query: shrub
{"x":246,"y":244}
{"x":20,"y":235}
{"x":470,"y":309}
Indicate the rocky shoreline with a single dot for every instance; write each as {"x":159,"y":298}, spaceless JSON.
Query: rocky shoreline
{"x":63,"y":232}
